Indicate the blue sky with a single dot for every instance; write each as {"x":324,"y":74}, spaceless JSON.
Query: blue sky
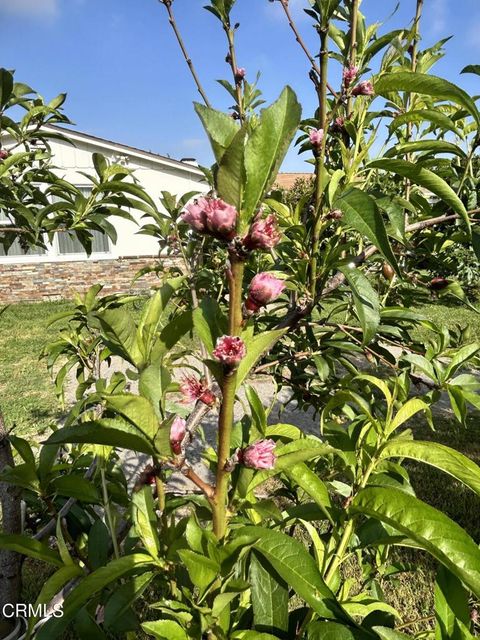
{"x":126,"y":80}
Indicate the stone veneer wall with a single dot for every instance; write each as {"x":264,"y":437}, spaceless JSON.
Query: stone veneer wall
{"x":37,"y":281}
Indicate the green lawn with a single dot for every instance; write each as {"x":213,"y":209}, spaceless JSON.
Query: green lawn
{"x":27,"y":397}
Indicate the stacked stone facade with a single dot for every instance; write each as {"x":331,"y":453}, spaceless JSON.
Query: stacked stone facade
{"x":37,"y":281}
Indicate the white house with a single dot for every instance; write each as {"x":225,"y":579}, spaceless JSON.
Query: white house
{"x":65,"y":267}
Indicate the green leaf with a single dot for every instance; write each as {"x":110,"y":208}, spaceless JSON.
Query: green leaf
{"x":120,"y":334}
{"x":422,"y":115}
{"x":6,"y":87}
{"x":75,"y":486}
{"x":451,"y":606}
{"x":426,"y":146}
{"x":471,"y":68}
{"x":425,"y":178}
{"x":269,"y":597}
{"x":307,"y":480}
{"x":256,"y":347}
{"x":88,"y":588}
{"x":113,"y":433}
{"x":145,"y":520}
{"x":118,"y":606}
{"x":414,"y":82}
{"x":29,"y":547}
{"x":436,"y":455}
{"x":432,"y":530}
{"x":220,"y":127}
{"x":137,"y":410}
{"x":461,"y":356}
{"x":385,"y":633}
{"x":230,"y":180}
{"x":52,"y":586}
{"x":407,"y":411}
{"x":165,"y":630}
{"x":367,"y":303}
{"x":361,"y":212}
{"x":98,"y":544}
{"x":295,"y":565}
{"x":335,"y":631}
{"x":267,"y":147}
{"x":202,"y":570}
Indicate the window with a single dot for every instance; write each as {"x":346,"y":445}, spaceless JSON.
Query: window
{"x":15,"y":249}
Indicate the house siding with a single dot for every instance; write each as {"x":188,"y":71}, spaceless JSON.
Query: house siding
{"x":34,"y":282}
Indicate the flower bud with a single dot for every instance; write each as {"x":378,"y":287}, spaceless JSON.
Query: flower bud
{"x":177,"y":433}
{"x":240,"y":74}
{"x":263,"y":234}
{"x":259,"y":455}
{"x":3,"y":154}
{"x":212,"y":216}
{"x":349,"y":74}
{"x":193,"y":390}
{"x":316,"y":137}
{"x":364,"y":88}
{"x":264,"y":288}
{"x":229,"y":350}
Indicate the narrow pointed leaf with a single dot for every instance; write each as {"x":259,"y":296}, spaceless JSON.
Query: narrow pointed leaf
{"x":444,"y":539}
{"x":414,"y":82}
{"x":361,"y":213}
{"x":298,"y":569}
{"x":425,"y":178}
{"x":436,"y":455}
{"x":267,"y":147}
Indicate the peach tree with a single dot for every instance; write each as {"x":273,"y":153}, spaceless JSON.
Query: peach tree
{"x":255,"y":546}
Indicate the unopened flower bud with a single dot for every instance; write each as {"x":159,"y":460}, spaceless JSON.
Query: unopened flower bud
{"x":349,"y":74}
{"x":259,"y":455}
{"x":3,"y":154}
{"x":212,"y":216}
{"x":364,"y":88}
{"x":264,"y":288}
{"x":229,"y":350}
{"x":177,"y":433}
{"x":316,"y":137}
{"x":240,"y":74}
{"x":263,"y":234}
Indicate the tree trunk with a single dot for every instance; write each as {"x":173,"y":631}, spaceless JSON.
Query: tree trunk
{"x":10,"y":562}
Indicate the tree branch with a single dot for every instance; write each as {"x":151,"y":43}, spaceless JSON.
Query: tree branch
{"x":188,"y":60}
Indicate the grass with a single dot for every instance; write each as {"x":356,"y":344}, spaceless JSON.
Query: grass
{"x":27,"y":397}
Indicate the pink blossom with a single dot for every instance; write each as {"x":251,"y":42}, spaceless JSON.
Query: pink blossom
{"x":229,"y":350}
{"x":240,"y":74}
{"x":177,"y":433}
{"x":264,"y":288}
{"x":193,"y":390}
{"x":3,"y":154}
{"x":349,"y":74}
{"x":364,"y":88}
{"x":316,"y":137}
{"x":211,"y":215}
{"x":259,"y":455}
{"x":264,"y":233}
